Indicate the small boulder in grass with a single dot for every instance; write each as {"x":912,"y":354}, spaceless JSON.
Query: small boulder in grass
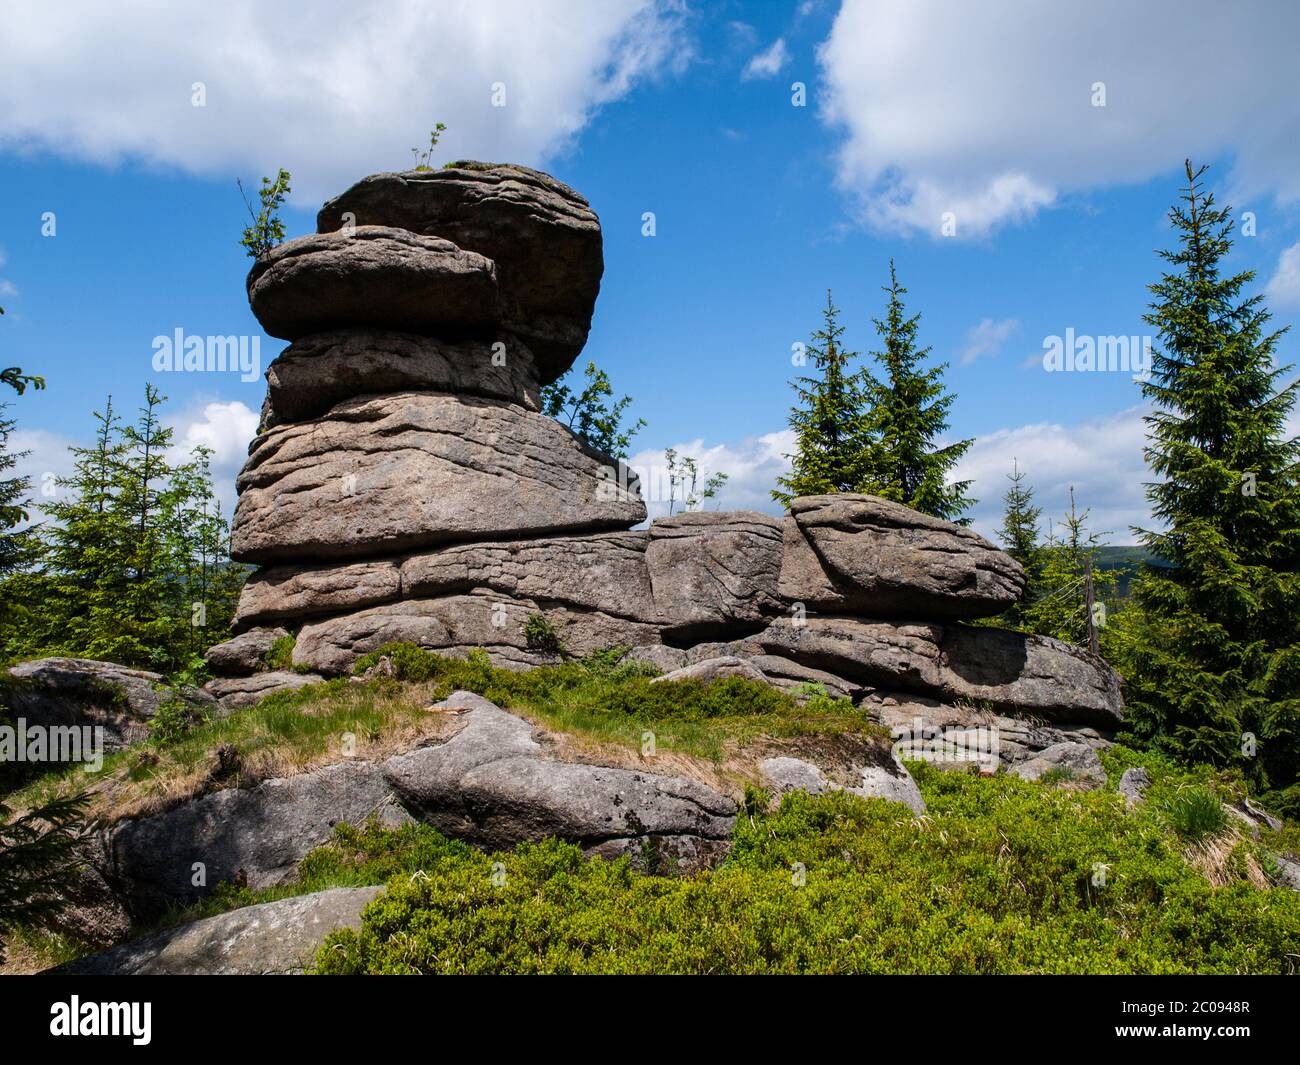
{"x":245,"y":655}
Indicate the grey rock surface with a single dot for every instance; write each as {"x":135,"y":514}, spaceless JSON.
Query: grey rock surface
{"x":715,"y":669}
{"x":1005,"y":670}
{"x":860,"y":554}
{"x":322,"y":369}
{"x":542,"y":235}
{"x":712,"y":571}
{"x":291,"y":593}
{"x":1078,"y":759}
{"x":83,"y":692}
{"x":893,"y":783}
{"x":234,"y":693}
{"x":272,"y":938}
{"x":1134,"y":783}
{"x":494,"y":783}
{"x":255,"y":834}
{"x":245,"y":654}
{"x":385,"y":474}
{"x":375,"y":277}
{"x":457,"y":624}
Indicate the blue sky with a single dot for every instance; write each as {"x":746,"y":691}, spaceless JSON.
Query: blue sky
{"x":914,"y":111}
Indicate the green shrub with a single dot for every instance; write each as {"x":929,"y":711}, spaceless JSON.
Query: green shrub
{"x":280,"y":656}
{"x":1000,"y":877}
{"x":540,"y":635}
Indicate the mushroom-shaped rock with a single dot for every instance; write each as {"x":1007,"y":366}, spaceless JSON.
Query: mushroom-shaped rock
{"x":542,"y":235}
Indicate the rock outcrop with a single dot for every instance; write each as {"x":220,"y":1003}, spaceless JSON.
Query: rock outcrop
{"x":495,"y":780}
{"x":405,"y":486}
{"x":85,"y":693}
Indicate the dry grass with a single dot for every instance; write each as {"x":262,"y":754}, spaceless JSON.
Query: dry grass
{"x":1223,"y":861}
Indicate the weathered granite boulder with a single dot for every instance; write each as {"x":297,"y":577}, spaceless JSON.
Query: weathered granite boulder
{"x":455,"y":625}
{"x":963,"y":735}
{"x":1077,"y":761}
{"x":272,"y":938}
{"x":542,"y":235}
{"x":711,"y":572}
{"x":890,"y":782}
{"x":715,"y":669}
{"x":494,"y":784}
{"x":374,"y":277}
{"x":383,"y":474}
{"x":1007,"y":670}
{"x":289,"y":593}
{"x":1133,"y":785}
{"x":256,"y":834}
{"x":85,"y":692}
{"x":855,"y":554}
{"x":234,"y":693}
{"x":245,"y":654}
{"x":318,"y":371}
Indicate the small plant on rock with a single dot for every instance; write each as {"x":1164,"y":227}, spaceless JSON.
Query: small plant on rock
{"x":540,"y":635}
{"x":422,"y":157}
{"x":267,"y":229}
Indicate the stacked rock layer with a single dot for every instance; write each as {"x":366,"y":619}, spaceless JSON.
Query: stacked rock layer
{"x":404,"y":486}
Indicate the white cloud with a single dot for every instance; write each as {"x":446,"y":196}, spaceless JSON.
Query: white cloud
{"x":752,"y":467}
{"x":1283,"y":288}
{"x":1100,"y":457}
{"x":332,"y":96}
{"x":767,"y":63}
{"x":986,"y":338}
{"x":224,"y":428}
{"x":48,"y":458}
{"x":986,"y":110}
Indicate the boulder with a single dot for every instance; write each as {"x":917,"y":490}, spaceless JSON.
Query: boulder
{"x":714,"y":572}
{"x":456,"y":624}
{"x":961,"y":735}
{"x":257,"y":835}
{"x":233,"y":693}
{"x":660,"y":656}
{"x":858,"y":554}
{"x":83,"y":692}
{"x":1008,"y":671}
{"x":318,"y":371}
{"x":1133,"y":784}
{"x":273,"y":938}
{"x":373,"y":277}
{"x":893,"y":783}
{"x":245,"y":654}
{"x":715,"y":669}
{"x":1078,"y":760}
{"x":383,"y":474}
{"x":290,"y":593}
{"x":542,"y":235}
{"x":494,"y":783}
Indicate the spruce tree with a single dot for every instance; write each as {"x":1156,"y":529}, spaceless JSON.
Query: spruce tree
{"x":1059,"y":607}
{"x":86,"y":550}
{"x":1215,"y":674}
{"x":1019,"y":535}
{"x":831,"y":436}
{"x":907,"y":414}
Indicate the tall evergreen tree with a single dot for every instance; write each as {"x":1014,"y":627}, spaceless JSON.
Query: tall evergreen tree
{"x":1216,"y":670}
{"x":831,"y":435}
{"x":1019,"y":535}
{"x":907,"y":414}
{"x":17,"y":546}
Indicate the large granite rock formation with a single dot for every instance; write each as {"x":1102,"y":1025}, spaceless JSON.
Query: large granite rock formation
{"x":405,"y":487}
